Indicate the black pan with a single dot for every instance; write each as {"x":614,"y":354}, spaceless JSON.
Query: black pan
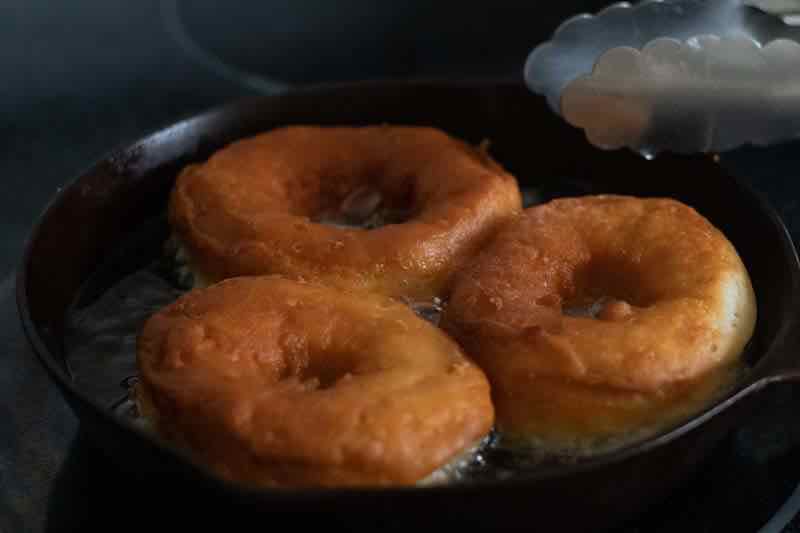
{"x":86,"y":222}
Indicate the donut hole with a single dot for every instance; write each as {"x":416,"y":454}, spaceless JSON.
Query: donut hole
{"x":319,"y":371}
{"x":606,"y":289}
{"x":366,"y":206}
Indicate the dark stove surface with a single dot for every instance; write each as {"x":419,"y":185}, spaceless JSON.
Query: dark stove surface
{"x":79,"y":81}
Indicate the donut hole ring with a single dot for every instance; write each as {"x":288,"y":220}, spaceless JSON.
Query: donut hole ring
{"x":602,"y":316}
{"x":272,"y":382}
{"x":256,"y":207}
{"x":604,"y":288}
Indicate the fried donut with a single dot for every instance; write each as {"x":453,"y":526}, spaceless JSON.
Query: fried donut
{"x":601,"y":318}
{"x":272,"y":382}
{"x":258,"y":207}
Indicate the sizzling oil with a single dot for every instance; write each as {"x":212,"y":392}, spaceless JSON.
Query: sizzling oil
{"x":100,"y":346}
{"x":101,"y":356}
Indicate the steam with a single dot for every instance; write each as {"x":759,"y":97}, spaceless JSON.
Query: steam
{"x":679,"y":75}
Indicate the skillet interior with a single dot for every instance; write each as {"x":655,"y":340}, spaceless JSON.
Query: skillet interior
{"x":83,"y":227}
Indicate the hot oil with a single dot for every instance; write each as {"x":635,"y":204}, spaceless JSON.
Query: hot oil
{"x":101,"y":352}
{"x":587,"y":309}
{"x":100,"y":339}
{"x":364,"y":208}
{"x":430,"y":311}
{"x":102,"y":327}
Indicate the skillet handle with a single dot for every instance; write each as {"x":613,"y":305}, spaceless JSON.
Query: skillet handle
{"x":782,"y":363}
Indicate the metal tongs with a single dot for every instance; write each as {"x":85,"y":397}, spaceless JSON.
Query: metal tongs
{"x":788,"y":10}
{"x":678,"y":75}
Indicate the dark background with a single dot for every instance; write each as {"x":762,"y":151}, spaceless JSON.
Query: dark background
{"x":79,"y":78}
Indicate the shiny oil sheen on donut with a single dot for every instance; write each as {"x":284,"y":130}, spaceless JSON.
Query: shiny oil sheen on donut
{"x":674,"y":309}
{"x":272,"y":382}
{"x":289,"y":201}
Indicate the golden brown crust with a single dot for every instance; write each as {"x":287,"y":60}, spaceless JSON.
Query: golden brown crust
{"x":679,"y":310}
{"x":274,"y":382}
{"x":249,"y":209}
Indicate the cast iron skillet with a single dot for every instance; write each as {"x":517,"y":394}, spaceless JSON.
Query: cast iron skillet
{"x":83,"y":224}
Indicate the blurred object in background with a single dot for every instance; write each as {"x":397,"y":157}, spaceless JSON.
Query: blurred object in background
{"x":323,"y":41}
{"x":679,"y":75}
{"x":788,"y":10}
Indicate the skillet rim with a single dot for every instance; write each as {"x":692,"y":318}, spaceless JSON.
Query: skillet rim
{"x":761,"y":375}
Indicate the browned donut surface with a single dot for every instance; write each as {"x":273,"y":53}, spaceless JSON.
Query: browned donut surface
{"x":275,"y":382}
{"x":599,"y":316}
{"x":256,"y":207}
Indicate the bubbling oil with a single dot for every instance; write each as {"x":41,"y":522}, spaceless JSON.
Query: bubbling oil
{"x":364,"y":208}
{"x":100,"y":346}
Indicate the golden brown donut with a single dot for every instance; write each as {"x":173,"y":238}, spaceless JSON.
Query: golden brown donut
{"x":273,"y":382}
{"x":256,"y":207}
{"x":674,"y":309}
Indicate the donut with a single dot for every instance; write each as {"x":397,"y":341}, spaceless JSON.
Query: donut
{"x":601,"y":319}
{"x":275,"y":383}
{"x":393,"y":210}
